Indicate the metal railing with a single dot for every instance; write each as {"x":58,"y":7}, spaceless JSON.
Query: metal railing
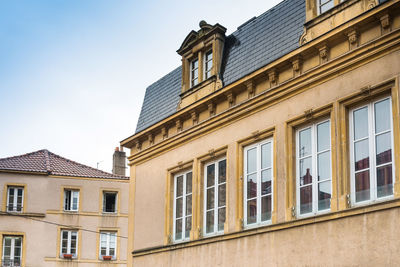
{"x":11,"y":263}
{"x":12,"y":208}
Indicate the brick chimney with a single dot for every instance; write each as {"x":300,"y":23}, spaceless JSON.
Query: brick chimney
{"x":119,"y":162}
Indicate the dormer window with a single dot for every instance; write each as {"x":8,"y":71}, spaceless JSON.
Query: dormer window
{"x":324,"y":5}
{"x":194,"y":72}
{"x":208,"y":62}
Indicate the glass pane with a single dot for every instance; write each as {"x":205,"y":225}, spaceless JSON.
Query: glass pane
{"x":251,"y":160}
{"x":210,"y":198}
{"x":323,"y":136}
{"x":179,"y":186}
{"x":360,"y":123}
{"x":305,"y":142}
{"x":17,"y":252}
{"x":384,"y":181}
{"x":189,"y":183}
{"x":103,"y":251}
{"x":110,"y":202}
{"x":324,"y":166}
{"x":251,"y":211}
{"x":266,"y":182}
{"x":306,"y":199}
{"x":361,"y":155}
{"x":210,"y":221}
{"x":221,"y":195}
{"x":324,"y":195}
{"x":382,"y":116}
{"x":221,"y":219}
{"x":188,"y":226}
{"x":112,"y":252}
{"x":209,"y":56}
{"x":222,"y":171}
{"x":362,"y":186}
{"x":251,"y":186}
{"x":7,"y":251}
{"x":210,"y":175}
{"x":383,"y":148}
{"x":17,"y":242}
{"x":178,"y":229}
{"x":305,"y":171}
{"x":266,"y":156}
{"x":327,"y":6}
{"x":189,"y":205}
{"x":179,"y":207}
{"x":266,"y":208}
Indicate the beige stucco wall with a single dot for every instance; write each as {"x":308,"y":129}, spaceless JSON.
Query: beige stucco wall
{"x":360,"y":240}
{"x":44,"y":195}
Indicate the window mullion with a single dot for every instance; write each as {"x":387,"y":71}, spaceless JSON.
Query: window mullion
{"x":314,"y":166}
{"x":184,"y":207}
{"x":216,"y":175}
{"x":258,"y":183}
{"x":372,"y":167}
{"x":12,"y":248}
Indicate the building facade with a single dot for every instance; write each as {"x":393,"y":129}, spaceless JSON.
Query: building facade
{"x":57,"y":212}
{"x":277,"y":145}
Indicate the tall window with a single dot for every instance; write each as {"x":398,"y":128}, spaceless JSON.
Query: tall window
{"x":15,"y":199}
{"x":258,"y":183}
{"x":182,"y":206}
{"x":371,"y":151}
{"x":314,"y":173}
{"x":214,"y":197}
{"x":71,"y":200}
{"x":108,"y":245}
{"x":12,"y":251}
{"x":109,"y":202}
{"x":69,"y":244}
{"x":324,"y":5}
{"x":208,"y":62}
{"x":194,"y":72}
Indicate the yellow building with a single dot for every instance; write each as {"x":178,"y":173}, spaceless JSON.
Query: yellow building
{"x":278,"y":145}
{"x":57,"y":212}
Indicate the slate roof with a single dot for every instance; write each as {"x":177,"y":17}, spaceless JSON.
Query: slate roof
{"x":46,"y":162}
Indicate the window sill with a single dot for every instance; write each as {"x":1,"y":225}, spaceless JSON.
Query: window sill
{"x":198,"y":86}
{"x":22,"y":214}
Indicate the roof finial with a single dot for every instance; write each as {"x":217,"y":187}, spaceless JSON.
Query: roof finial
{"x":203,"y":24}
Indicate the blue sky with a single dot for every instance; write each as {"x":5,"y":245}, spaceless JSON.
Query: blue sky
{"x":73,"y":73}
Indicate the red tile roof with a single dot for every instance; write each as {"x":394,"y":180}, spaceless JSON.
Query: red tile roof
{"x":46,"y":162}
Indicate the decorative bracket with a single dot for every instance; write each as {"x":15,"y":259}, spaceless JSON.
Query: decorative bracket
{"x":231,"y":99}
{"x":150,"y":137}
{"x":309,"y":114}
{"x":352,"y":36}
{"x":211,"y":109}
{"x":178,"y":124}
{"x":273,"y":77}
{"x":385,"y":23}
{"x":138,"y":145}
{"x":324,"y":53}
{"x":296,"y":64}
{"x":195,"y":117}
{"x":251,"y":88}
{"x":164,"y":132}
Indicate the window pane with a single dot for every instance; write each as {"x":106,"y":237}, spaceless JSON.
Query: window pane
{"x":251,"y":186}
{"x":324,"y":166}
{"x":306,"y":199}
{"x":266,"y":182}
{"x":188,"y":226}
{"x":324,"y":195}
{"x":179,"y":186}
{"x":210,"y":198}
{"x":305,"y":142}
{"x":179,"y":207}
{"x":110,"y":199}
{"x":360,"y":123}
{"x":362,"y":186}
{"x":361,"y":155}
{"x":189,"y":205}
{"x":327,"y":6}
{"x":266,"y":208}
{"x":178,"y":229}
{"x":266,"y":156}
{"x":251,"y":211}
{"x":210,"y":175}
{"x":222,"y":171}
{"x":189,"y":183}
{"x":221,"y":195}
{"x":383,"y":148}
{"x":221,"y":219}
{"x":384,"y":181}
{"x":210,"y":221}
{"x":382,"y":116}
{"x":323,"y":135}
{"x":251,"y":160}
{"x":305,"y":171}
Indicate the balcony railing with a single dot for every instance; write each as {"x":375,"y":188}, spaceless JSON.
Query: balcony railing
{"x":11,"y":263}
{"x":12,"y":208}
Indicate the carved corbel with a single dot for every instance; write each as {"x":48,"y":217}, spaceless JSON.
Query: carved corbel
{"x":309,"y":114}
{"x":211,"y":153}
{"x":211,"y":108}
{"x":164,"y":132}
{"x":195,"y":117}
{"x":138,"y":145}
{"x":273,"y":77}
{"x":296,"y":64}
{"x":323,"y":53}
{"x":352,"y":36}
{"x":150,"y":137}
{"x":385,"y":23}
{"x":231,"y":99}
{"x":366,"y":91}
{"x":251,"y":88}
{"x":256,"y":135}
{"x":178,"y":124}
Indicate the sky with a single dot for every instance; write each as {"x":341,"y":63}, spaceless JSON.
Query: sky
{"x":73,"y":73}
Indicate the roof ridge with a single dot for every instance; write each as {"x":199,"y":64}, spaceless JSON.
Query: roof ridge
{"x":47,"y":161}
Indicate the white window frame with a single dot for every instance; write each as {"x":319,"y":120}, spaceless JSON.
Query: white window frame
{"x":372,"y":153}
{"x":15,"y":200}
{"x":184,"y":196}
{"x":319,"y":5}
{"x":191,"y":71}
{"x":247,"y":148}
{"x":314,"y":164}
{"x":108,"y":236}
{"x":12,"y":251}
{"x":69,"y":239}
{"x":115,"y":204}
{"x":205,"y":64}
{"x":74,"y":194}
{"x":216,"y":196}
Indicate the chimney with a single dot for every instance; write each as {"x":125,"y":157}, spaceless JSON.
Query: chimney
{"x":119,"y":162}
